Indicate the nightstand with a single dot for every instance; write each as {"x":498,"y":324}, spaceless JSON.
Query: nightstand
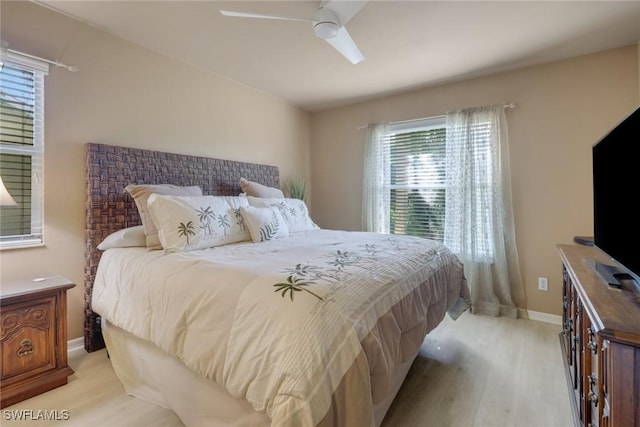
{"x":33,"y":335}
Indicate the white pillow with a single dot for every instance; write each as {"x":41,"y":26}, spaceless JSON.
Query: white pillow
{"x":293,"y":211}
{"x":264,"y":223}
{"x":258,"y":190}
{"x":125,"y":238}
{"x":190,"y":223}
{"x":141,"y":193}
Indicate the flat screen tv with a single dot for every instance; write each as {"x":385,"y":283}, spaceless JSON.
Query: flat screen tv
{"x":616,"y":195}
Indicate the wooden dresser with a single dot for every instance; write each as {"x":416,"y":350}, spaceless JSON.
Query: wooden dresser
{"x":600,"y":343}
{"x":33,"y":320}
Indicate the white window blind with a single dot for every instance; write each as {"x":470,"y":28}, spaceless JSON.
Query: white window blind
{"x":22,"y":150}
{"x":418,"y":178}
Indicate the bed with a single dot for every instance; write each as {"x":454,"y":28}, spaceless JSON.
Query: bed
{"x":316,"y":328}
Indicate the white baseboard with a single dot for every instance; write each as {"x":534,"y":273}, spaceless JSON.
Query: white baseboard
{"x":545,"y":317}
{"x":75,"y":347}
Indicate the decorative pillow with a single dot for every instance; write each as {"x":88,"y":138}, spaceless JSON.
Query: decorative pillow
{"x":141,"y":193}
{"x":125,"y":238}
{"x":190,"y":223}
{"x":293,"y":211}
{"x":258,"y":190}
{"x":264,"y":223}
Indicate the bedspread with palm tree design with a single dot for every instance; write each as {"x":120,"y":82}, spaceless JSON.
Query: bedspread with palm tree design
{"x":279,"y":323}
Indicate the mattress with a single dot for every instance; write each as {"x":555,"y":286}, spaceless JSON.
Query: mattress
{"x":308,"y":330}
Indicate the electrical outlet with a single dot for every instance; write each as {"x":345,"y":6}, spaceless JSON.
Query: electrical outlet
{"x":543,"y":284}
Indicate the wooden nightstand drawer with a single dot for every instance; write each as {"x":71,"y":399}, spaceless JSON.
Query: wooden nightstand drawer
{"x":27,"y":336}
{"x":33,"y":338}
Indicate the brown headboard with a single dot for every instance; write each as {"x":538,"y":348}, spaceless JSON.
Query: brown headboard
{"x":109,"y":169}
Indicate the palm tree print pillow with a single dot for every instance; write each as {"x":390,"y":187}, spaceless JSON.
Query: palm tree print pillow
{"x":141,"y":194}
{"x":264,"y":223}
{"x":294,"y":212}
{"x":191,"y":223}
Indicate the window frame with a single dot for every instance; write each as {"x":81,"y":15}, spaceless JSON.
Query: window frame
{"x":36,"y":151}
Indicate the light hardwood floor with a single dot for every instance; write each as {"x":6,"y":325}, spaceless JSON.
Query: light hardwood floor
{"x":476,"y":371}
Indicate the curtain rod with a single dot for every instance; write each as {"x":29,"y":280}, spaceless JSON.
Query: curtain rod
{"x":4,"y":48}
{"x":505,"y":106}
{"x":509,"y":106}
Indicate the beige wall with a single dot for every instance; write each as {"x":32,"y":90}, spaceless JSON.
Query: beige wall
{"x":125,"y":95}
{"x":562,"y":109}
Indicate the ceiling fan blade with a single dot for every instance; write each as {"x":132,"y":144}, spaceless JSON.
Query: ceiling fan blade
{"x":344,"y":44}
{"x":256,"y":15}
{"x":345,"y":10}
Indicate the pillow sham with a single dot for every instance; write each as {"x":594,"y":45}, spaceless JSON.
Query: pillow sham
{"x":141,"y":193}
{"x":188,"y":223}
{"x":264,"y":223}
{"x":125,"y":238}
{"x":294,"y":212}
{"x":258,"y":190}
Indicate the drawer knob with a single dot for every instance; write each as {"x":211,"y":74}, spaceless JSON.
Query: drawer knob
{"x":593,"y":398}
{"x":593,"y":347}
{"x":26,"y":348}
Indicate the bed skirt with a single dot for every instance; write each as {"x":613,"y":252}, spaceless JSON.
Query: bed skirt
{"x":150,"y":375}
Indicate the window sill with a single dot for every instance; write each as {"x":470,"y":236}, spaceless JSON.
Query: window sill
{"x":21,"y":244}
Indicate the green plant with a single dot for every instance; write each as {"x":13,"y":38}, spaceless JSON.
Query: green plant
{"x":296,"y":189}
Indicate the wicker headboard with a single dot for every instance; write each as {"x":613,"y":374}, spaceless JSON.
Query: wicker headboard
{"x":109,"y":169}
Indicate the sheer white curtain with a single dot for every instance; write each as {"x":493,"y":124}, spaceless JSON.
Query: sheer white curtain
{"x":376,"y":195}
{"x":479,"y":225}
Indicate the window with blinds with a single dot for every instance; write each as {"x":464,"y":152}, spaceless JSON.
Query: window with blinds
{"x":21,"y":150}
{"x":417,"y":157}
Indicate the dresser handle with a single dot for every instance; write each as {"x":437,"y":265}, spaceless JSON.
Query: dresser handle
{"x":593,"y":398}
{"x":568,"y":325}
{"x":26,"y":348}
{"x":593,"y":347}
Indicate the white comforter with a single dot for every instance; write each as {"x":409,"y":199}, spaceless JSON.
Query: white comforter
{"x":276,"y":323}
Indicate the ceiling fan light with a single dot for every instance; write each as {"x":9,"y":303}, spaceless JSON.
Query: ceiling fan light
{"x":326,"y":30}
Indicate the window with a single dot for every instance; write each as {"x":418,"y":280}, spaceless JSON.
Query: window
{"x":448,"y":179}
{"x":420,"y":152}
{"x":22,"y":149}
{"x":439,"y":178}
{"x":417,"y":178}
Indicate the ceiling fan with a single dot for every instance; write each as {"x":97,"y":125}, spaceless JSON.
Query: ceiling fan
{"x":328,"y":24}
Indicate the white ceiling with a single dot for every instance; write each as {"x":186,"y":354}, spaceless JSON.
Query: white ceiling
{"x":407,"y":44}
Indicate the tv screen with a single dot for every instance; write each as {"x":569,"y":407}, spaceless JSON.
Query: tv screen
{"x":616,"y":194}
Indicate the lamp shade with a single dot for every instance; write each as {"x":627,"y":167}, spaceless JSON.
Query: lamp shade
{"x":5,"y":197}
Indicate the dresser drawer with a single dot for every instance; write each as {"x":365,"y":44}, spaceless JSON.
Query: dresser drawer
{"x":28,"y":337}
